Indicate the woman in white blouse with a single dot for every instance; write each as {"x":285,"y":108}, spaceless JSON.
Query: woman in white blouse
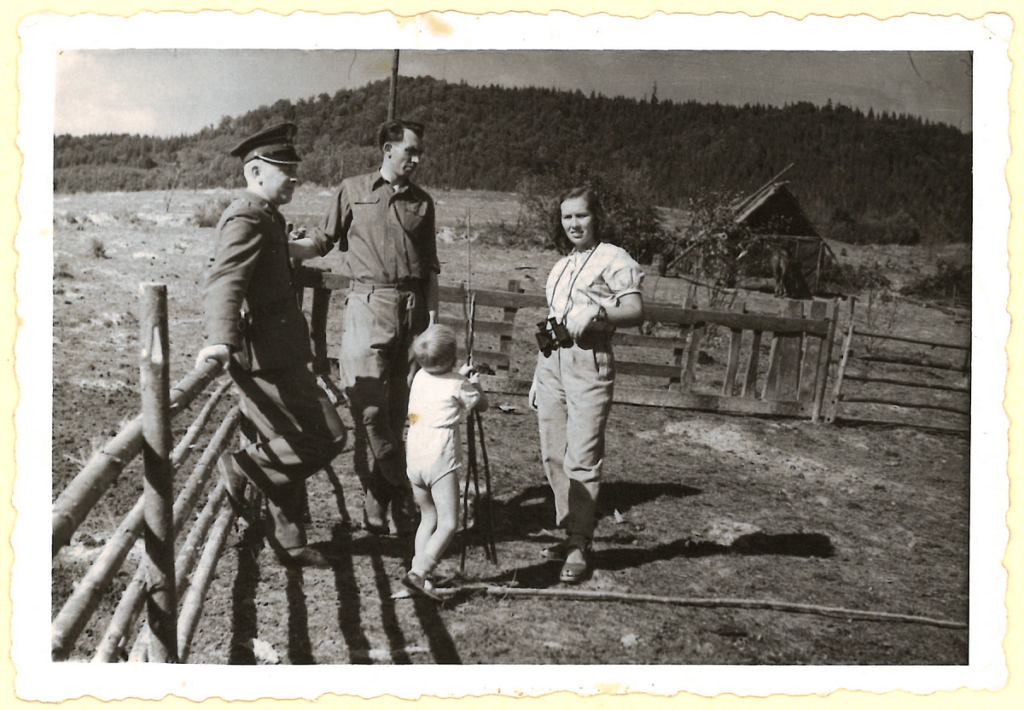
{"x":590,"y":291}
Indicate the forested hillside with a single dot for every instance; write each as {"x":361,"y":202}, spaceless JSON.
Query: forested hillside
{"x":895,"y":177}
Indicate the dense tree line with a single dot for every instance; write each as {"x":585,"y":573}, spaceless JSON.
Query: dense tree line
{"x":890,"y":177}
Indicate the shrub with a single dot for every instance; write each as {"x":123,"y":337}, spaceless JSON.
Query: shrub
{"x":62,"y":269}
{"x":503,"y":234}
{"x":952,"y":281}
{"x":860,"y":277}
{"x":98,"y":249}
{"x":207,"y":214}
{"x":633,"y":223}
{"x":899,"y":228}
{"x":129,"y":217}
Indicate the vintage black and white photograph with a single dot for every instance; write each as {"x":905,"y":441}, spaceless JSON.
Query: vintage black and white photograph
{"x":622,"y":353}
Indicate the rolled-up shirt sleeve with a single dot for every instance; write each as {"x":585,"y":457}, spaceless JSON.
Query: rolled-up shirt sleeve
{"x":336,"y":225}
{"x":429,"y":254}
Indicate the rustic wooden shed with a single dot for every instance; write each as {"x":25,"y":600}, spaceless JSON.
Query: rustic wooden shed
{"x":773,"y":210}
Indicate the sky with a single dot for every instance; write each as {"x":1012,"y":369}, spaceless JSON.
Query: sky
{"x":166,"y":92}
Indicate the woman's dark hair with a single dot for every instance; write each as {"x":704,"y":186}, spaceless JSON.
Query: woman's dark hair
{"x":394,"y":131}
{"x":596,"y":211}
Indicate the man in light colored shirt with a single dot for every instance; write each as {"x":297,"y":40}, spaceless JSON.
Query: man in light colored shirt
{"x":385,"y":224}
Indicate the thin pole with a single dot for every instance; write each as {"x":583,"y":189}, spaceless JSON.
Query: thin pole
{"x":469,"y":250}
{"x":707,"y":603}
{"x":393,"y":98}
{"x":161,"y":601}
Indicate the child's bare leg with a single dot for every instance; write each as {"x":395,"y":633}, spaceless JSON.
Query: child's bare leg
{"x":445,"y":498}
{"x":428,"y":523}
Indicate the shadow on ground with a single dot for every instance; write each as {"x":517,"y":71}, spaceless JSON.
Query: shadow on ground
{"x":545,"y":574}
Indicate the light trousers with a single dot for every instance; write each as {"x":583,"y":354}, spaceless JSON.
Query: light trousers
{"x":376,"y":361}
{"x":574,"y":397}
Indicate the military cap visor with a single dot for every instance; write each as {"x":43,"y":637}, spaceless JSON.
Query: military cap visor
{"x":273,"y":145}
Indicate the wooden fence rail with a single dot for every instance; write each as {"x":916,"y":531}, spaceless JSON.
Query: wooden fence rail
{"x":130,"y":605}
{"x":933,"y":390}
{"x":74,"y":503}
{"x":668,"y":362}
{"x":83,"y":602}
{"x":792,"y":377}
{"x":161,"y":576}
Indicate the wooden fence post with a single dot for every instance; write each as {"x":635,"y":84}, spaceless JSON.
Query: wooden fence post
{"x":509,"y":316}
{"x":824,"y":362}
{"x":810,"y":363}
{"x":161,"y":601}
{"x":735,"y":340}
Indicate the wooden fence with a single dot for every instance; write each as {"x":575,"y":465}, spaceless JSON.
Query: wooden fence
{"x":776,"y":364}
{"x":162,"y":578}
{"x":896,"y":379}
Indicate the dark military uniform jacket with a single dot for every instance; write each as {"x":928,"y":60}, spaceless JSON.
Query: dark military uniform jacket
{"x":248,"y":299}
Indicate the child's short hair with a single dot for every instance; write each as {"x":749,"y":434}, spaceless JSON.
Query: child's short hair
{"x":435,"y":349}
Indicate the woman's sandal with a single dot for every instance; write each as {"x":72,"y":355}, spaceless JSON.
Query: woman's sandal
{"x":557,"y":552}
{"x":575,"y":572}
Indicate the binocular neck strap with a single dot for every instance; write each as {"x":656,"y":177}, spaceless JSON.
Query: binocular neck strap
{"x":572,"y":284}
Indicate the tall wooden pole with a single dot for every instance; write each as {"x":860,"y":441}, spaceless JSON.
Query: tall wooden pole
{"x":161,"y":600}
{"x":393,"y":98}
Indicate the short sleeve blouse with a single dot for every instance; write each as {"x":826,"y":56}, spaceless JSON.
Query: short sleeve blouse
{"x":605,"y":271}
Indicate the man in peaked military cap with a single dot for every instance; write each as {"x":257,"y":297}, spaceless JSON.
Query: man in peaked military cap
{"x":256,"y":330}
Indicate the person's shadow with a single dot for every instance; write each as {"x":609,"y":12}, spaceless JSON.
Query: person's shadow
{"x":533,"y":508}
{"x":545,"y":574}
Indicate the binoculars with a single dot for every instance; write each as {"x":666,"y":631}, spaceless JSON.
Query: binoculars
{"x":552,"y":335}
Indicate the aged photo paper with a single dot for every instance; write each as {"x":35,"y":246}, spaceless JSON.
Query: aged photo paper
{"x":35,"y":677}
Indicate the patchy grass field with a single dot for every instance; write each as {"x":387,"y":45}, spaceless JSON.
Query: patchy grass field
{"x":694,"y":505}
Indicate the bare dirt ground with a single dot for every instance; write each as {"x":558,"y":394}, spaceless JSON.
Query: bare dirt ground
{"x":693,"y":505}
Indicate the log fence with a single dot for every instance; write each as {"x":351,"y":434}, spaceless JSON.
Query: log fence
{"x":776,"y":364}
{"x":925,"y":376}
{"x":161,"y":577}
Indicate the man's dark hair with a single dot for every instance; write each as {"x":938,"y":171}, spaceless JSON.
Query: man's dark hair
{"x":593,"y":205}
{"x":394,"y":131}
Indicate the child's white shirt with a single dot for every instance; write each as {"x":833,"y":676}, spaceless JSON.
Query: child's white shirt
{"x":437,"y":404}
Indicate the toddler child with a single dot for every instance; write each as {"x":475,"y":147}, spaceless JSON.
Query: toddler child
{"x":439,"y":401}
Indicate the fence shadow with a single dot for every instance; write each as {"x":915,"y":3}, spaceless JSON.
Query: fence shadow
{"x":243,"y":603}
{"x":442,"y":646}
{"x":388,"y":617}
{"x":300,"y":648}
{"x":349,"y":603}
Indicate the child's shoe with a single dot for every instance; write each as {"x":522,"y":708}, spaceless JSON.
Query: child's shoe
{"x":419,"y":586}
